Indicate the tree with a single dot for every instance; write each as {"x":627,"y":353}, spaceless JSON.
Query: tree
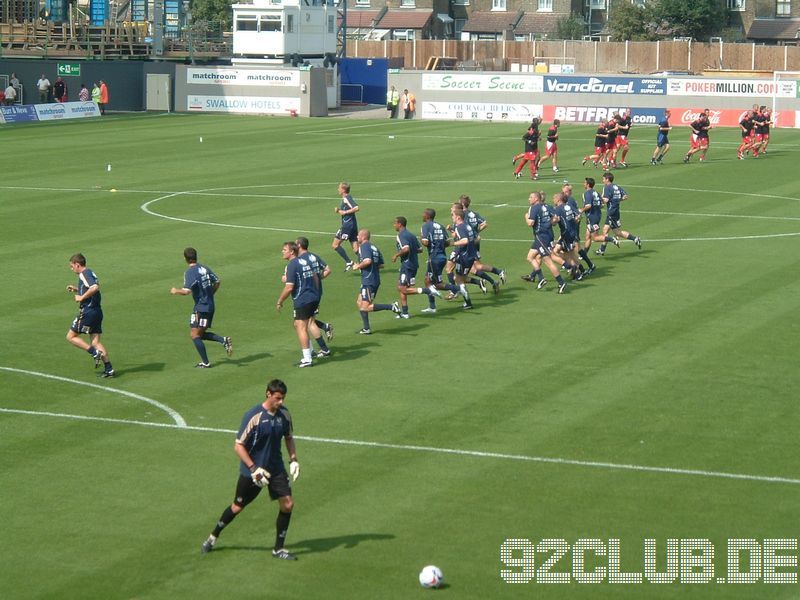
{"x":628,"y":21}
{"x":213,"y":11}
{"x":698,"y":19}
{"x":570,"y":27}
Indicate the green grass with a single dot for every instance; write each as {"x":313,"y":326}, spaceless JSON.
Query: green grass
{"x":682,"y":355}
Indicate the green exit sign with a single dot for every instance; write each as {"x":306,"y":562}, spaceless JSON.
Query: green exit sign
{"x":69,"y":69}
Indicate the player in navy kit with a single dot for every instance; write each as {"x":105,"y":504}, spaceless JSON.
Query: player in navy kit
{"x":408,"y":249}
{"x":348,"y":231}
{"x":90,"y":318}
{"x":566,"y":246}
{"x":539,"y":218}
{"x":479,"y":268}
{"x":613,"y":195}
{"x":202,"y":283}
{"x":465,"y":253}
{"x":593,"y":208}
{"x":304,"y":285}
{"x":662,"y":140}
{"x":435,"y":238}
{"x":258,"y":446}
{"x":370,"y":264}
{"x":321,"y":268}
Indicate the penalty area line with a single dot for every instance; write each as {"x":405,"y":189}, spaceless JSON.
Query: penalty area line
{"x":436,"y":450}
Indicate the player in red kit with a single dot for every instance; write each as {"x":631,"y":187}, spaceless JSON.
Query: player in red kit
{"x":531,"y":153}
{"x":551,"y":146}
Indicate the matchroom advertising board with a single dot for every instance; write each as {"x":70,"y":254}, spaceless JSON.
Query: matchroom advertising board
{"x":481,"y":111}
{"x":243,"y":104}
{"x":227,"y":76}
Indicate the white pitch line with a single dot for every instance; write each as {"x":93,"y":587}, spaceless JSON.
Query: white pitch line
{"x":179,"y":420}
{"x":436,"y":450}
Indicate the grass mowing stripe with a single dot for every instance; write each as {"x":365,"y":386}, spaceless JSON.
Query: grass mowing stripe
{"x":433,"y":449}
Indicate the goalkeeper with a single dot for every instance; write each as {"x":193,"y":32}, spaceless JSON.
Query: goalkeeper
{"x":258,"y":445}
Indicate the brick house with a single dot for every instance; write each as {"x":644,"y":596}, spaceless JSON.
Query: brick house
{"x":767,"y":21}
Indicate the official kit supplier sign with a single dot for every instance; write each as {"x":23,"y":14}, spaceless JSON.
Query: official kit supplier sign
{"x":732,"y":88}
{"x":485,"y":111}
{"x":262,"y":77}
{"x":243,"y":104}
{"x":481,"y":82}
{"x":561,"y":84}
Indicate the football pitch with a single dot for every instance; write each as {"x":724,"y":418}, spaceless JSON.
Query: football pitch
{"x":656,"y":400}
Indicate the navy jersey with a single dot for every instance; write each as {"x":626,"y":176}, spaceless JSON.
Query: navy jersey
{"x":306,"y":288}
{"x":593,"y":199}
{"x":663,"y":126}
{"x":474,"y":220}
{"x":261,"y":434}
{"x":201,"y":279}
{"x":348,"y":221}
{"x":612,"y":131}
{"x":87,"y":279}
{"x":531,"y":138}
{"x":702,"y":131}
{"x":318,"y":265}
{"x":625,"y":125}
{"x":747,"y":125}
{"x":567,"y":221}
{"x":541,"y":215}
{"x":370,"y":275}
{"x":411,"y":258}
{"x":437,"y":238}
{"x":464,"y":231}
{"x":613,"y":195}
{"x":600,"y":137}
{"x":759,"y":121}
{"x":570,"y":201}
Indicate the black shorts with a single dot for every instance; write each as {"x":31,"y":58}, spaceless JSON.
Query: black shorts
{"x":305,"y":312}
{"x":247,"y":491}
{"x":88,"y":322}
{"x":201,"y":320}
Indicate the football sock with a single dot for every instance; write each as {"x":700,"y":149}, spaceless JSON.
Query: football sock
{"x":603,"y":247}
{"x":227,"y":516}
{"x":608,"y":239}
{"x":452,"y":287}
{"x":560,"y":280}
{"x":379,"y":307}
{"x":631,"y":236}
{"x":306,"y":354}
{"x":537,"y":274}
{"x":340,"y":251}
{"x":474,"y":281}
{"x":321,"y":324}
{"x":496,"y":271}
{"x":364,"y":318}
{"x":201,"y":349}
{"x":281,"y":526}
{"x":213,"y":337}
{"x":451,"y":278}
{"x":321,"y":343}
{"x":405,"y":309}
{"x":431,"y":302}
{"x":585,"y":256}
{"x":107,"y":366}
{"x":91,"y":350}
{"x":484,"y":276}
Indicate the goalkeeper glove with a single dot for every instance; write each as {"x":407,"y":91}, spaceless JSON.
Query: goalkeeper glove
{"x":260,"y":476}
{"x":294,"y":469}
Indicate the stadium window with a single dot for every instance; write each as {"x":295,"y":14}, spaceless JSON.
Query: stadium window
{"x":461,"y":2}
{"x":545,"y":5}
{"x":498,"y":4}
{"x":269,"y":23}
{"x":737,"y":5}
{"x":783,"y":8}
{"x":246,"y":23}
{"x":601,"y":4}
{"x":289,"y":23}
{"x":408,"y":3}
{"x":362,"y":2}
{"x":331,"y":24}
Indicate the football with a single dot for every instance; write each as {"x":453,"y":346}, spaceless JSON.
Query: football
{"x":431,"y":577}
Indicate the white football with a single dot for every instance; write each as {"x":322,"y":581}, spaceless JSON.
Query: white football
{"x":431,"y":577}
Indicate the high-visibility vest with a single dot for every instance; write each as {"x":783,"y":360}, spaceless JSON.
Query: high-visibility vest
{"x":392,"y":97}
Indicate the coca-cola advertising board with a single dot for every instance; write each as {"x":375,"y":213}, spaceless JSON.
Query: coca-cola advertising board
{"x":727,"y":117}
